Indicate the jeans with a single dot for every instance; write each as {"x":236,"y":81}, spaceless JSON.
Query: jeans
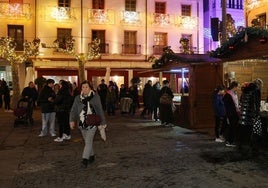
{"x":48,"y":118}
{"x":88,"y":135}
{"x":220,"y":125}
{"x":63,"y":122}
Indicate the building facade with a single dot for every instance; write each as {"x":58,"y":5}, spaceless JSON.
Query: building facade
{"x":130,"y":31}
{"x":256,"y":13}
{"x":213,"y":11}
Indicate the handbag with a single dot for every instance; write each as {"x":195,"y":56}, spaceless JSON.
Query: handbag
{"x":165,"y":99}
{"x":93,"y":120}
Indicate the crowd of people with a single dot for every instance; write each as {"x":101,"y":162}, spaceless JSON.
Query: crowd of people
{"x":237,"y":120}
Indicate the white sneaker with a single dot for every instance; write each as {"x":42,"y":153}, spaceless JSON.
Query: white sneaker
{"x":41,"y":135}
{"x":53,"y":135}
{"x":218,"y":140}
{"x":222,"y":138}
{"x":230,"y":145}
{"x":66,"y":137}
{"x":58,"y":139}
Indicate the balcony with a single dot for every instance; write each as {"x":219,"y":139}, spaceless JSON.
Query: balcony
{"x":158,"y":49}
{"x":191,"y":49}
{"x":129,"y":49}
{"x":100,"y":16}
{"x":104,"y":47}
{"x":60,"y":14}
{"x":130,"y":18}
{"x":187,"y":22}
{"x":161,"y":19}
{"x":15,"y":11}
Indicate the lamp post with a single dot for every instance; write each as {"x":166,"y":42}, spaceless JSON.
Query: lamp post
{"x":7,"y":51}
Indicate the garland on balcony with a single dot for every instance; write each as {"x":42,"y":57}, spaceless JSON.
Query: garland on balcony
{"x":238,"y":40}
{"x":169,"y":57}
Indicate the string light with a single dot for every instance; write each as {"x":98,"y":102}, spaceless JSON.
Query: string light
{"x":15,"y":10}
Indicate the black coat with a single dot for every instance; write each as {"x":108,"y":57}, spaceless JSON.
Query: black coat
{"x":63,"y":101}
{"x":46,"y":106}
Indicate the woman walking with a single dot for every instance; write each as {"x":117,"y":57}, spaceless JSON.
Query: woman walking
{"x":88,"y":102}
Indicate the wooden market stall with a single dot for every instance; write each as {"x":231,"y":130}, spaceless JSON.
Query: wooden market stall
{"x":205,"y":74}
{"x":243,"y":58}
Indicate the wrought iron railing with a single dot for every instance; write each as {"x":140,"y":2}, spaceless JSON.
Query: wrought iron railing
{"x":131,"y":49}
{"x":158,"y":49}
{"x":104,"y":48}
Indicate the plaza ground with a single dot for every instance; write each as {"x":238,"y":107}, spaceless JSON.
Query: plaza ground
{"x":138,"y":153}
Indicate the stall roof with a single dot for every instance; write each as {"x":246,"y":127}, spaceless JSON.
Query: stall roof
{"x":178,"y":60}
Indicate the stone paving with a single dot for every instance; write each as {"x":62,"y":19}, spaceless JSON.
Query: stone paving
{"x":138,"y":153}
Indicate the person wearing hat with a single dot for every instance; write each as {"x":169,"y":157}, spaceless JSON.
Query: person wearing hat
{"x":46,"y":102}
{"x":102,"y":91}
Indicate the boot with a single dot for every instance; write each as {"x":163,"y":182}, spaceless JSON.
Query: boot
{"x":84,"y":163}
{"x":91,"y":159}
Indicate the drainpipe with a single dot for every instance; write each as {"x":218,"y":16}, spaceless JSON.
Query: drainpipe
{"x":81,"y":42}
{"x":146,"y":45}
{"x":197,"y":39}
{"x":35,"y":12}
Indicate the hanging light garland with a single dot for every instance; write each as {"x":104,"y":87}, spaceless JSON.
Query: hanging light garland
{"x":82,"y":58}
{"x":7,"y":51}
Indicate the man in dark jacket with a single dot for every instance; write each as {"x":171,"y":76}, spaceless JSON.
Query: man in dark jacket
{"x":156,"y":100}
{"x":147,"y":99}
{"x":45,"y":100}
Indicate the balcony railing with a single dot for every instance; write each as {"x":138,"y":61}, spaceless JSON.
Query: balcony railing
{"x":130,"y":17}
{"x":192,"y":49}
{"x":161,"y":19}
{"x":158,"y":49}
{"x":131,"y":49}
{"x":59,"y":14}
{"x":100,"y":16}
{"x":104,"y":47}
{"x":15,"y":11}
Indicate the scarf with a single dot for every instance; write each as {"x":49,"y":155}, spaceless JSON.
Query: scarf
{"x":87,"y":108}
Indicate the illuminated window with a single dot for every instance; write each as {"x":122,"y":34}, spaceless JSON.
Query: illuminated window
{"x":160,"y":7}
{"x":17,"y":33}
{"x":186,"y":10}
{"x":130,"y":42}
{"x":262,"y":20}
{"x":100,"y":34}
{"x":160,"y":41}
{"x":64,"y":3}
{"x":98,"y":4}
{"x":130,"y":5}
{"x":62,"y":34}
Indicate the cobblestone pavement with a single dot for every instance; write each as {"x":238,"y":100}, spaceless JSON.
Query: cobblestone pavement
{"x":138,"y":154}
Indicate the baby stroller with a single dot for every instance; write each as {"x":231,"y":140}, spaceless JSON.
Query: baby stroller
{"x":23,"y":112}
